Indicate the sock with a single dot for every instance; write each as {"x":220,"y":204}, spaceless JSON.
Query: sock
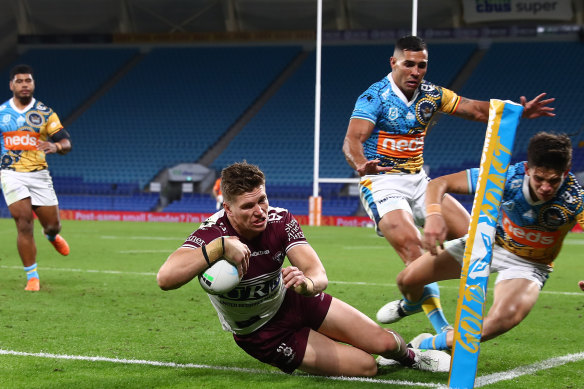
{"x":430,"y":302}
{"x":408,"y":359}
{"x":411,"y":306}
{"x":31,"y":271}
{"x":437,"y":342}
{"x":51,"y":238}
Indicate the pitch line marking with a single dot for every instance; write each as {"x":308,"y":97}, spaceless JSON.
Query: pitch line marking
{"x":528,"y":369}
{"x":210,"y":367}
{"x":142,"y":237}
{"x":480,"y":381}
{"x":144,"y":251}
{"x":87,"y":270}
{"x":359,"y":283}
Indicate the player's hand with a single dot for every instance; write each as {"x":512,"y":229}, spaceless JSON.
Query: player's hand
{"x":47,"y":147}
{"x":372,"y":167}
{"x":295,"y":278}
{"x":434,"y":233}
{"x":237,"y":253}
{"x":581,"y":285}
{"x":537,"y":107}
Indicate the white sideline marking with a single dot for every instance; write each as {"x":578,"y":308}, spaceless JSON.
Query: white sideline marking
{"x":197,"y":366}
{"x":144,"y":251}
{"x":528,"y":369}
{"x":361,"y":283}
{"x":480,"y":381}
{"x":142,"y":237}
{"x":86,"y":270}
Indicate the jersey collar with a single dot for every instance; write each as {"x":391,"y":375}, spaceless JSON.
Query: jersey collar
{"x":29,"y":106}
{"x":527,"y":193}
{"x":400,"y":94}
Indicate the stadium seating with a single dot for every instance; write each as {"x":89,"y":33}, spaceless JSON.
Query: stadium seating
{"x":176,"y":103}
{"x":171,"y":108}
{"x":66,"y":78}
{"x":508,"y":71}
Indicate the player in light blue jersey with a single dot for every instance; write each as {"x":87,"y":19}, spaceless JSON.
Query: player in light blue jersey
{"x":385,"y":143}
{"x":28,"y":131}
{"x":542,"y":201}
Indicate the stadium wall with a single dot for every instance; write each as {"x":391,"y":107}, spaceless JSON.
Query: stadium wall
{"x":180,"y":217}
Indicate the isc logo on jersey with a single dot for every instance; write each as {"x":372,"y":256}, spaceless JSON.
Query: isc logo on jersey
{"x":527,"y":237}
{"x":21,"y":140}
{"x":400,"y":146}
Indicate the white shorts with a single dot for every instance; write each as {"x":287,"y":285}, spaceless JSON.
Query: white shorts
{"x":507,"y":264}
{"x":384,"y":193}
{"x":36,"y":185}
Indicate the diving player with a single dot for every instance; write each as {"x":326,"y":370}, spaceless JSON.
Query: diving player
{"x":279,"y":314}
{"x":541,"y":203}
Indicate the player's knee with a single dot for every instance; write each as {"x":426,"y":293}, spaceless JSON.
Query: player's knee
{"x":52,"y":229}
{"x":500,"y":323}
{"x":24,"y":226}
{"x":369,"y":367}
{"x":386,"y":343}
{"x":405,"y":280}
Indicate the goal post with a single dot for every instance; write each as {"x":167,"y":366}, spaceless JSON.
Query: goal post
{"x":499,"y":138}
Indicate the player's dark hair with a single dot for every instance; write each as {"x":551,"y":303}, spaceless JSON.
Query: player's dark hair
{"x":550,"y":151}
{"x":411,"y":43}
{"x":241,"y":177}
{"x":20,"y":69}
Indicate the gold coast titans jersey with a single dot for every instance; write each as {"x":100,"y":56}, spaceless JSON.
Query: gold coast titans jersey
{"x":400,"y":126}
{"x":21,"y":132}
{"x":535,"y":230}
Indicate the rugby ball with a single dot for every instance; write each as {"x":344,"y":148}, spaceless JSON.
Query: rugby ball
{"x":220,"y":278}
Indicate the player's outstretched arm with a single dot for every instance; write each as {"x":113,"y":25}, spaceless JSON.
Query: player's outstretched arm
{"x":479,"y":110}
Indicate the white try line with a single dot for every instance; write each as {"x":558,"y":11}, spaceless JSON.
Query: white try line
{"x":529,"y":369}
{"x":358,"y":283}
{"x":480,"y":381}
{"x":209,"y":367}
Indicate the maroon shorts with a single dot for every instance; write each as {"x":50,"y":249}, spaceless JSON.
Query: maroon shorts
{"x":282,"y":341}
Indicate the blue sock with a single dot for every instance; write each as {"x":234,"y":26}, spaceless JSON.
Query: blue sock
{"x":437,"y":342}
{"x":432,"y":307}
{"x":412,"y":306}
{"x":51,"y":238}
{"x":31,"y":271}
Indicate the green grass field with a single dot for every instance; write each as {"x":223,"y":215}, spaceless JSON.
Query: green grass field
{"x":100,"y":320}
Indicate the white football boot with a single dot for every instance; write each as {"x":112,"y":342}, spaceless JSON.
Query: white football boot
{"x":392,"y":312}
{"x":435,"y":361}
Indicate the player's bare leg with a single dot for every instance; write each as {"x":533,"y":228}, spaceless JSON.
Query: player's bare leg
{"x":400,"y":231}
{"x":21,"y":212}
{"x":513,"y":300}
{"x":49,"y":219}
{"x":360,"y":337}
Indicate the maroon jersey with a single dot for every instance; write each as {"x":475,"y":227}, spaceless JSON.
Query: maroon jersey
{"x":260,"y":293}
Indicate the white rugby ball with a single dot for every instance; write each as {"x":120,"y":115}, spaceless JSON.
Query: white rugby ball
{"x":220,"y":278}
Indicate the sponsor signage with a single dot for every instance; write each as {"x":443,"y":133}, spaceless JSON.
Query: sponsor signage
{"x":476,"y":11}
